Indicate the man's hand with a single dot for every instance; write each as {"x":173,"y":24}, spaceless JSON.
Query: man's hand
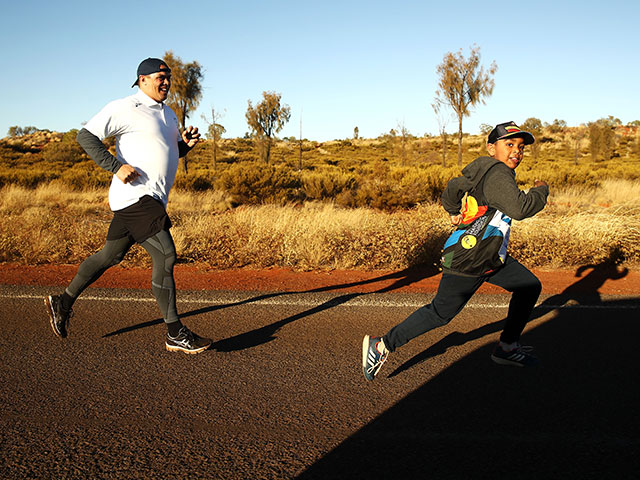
{"x":456,"y":219}
{"x":126,"y":173}
{"x":190,"y":136}
{"x":540,"y":183}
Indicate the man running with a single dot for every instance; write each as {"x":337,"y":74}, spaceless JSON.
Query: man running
{"x":148,"y":146}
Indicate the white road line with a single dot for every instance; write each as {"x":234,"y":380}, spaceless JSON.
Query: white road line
{"x":365,"y":300}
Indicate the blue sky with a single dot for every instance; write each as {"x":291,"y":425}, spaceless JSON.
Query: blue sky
{"x":338,"y":65}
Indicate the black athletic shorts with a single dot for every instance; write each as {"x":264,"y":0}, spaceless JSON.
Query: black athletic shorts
{"x":139,"y":221}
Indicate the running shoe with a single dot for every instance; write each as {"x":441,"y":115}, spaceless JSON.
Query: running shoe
{"x":521,"y":356}
{"x":372,"y":359}
{"x":186,"y":341}
{"x":58,"y":317}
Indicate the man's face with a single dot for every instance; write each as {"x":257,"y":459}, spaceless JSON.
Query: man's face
{"x":156,"y":85}
{"x":509,"y":151}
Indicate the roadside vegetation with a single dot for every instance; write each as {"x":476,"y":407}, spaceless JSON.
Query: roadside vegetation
{"x":345,"y":204}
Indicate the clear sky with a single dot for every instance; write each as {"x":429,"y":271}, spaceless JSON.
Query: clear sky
{"x":337,"y":64}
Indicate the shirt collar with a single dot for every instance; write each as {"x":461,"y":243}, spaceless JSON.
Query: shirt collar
{"x":147,"y":101}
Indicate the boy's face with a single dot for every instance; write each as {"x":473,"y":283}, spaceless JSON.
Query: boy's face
{"x":509,"y":151}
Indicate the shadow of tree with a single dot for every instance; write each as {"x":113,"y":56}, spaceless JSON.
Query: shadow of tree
{"x":572,"y":417}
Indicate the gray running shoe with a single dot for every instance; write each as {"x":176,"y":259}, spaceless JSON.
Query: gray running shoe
{"x":58,"y":318}
{"x":187,"y":342}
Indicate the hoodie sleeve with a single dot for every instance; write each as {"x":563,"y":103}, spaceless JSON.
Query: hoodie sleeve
{"x":502,"y":192}
{"x":453,"y":194}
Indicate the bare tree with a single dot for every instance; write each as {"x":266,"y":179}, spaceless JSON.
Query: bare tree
{"x":300,"y":145}
{"x":214,"y":132}
{"x":576,"y":136}
{"x":443,"y":120}
{"x":266,"y":119}
{"x":463,"y":84}
{"x":403,"y":139}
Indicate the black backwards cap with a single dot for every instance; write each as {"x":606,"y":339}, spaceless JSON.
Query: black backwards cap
{"x":149,"y":66}
{"x":508,"y":130}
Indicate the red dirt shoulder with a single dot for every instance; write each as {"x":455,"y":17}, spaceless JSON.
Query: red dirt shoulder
{"x":193,"y":277}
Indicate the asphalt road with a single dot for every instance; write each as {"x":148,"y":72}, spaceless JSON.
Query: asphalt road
{"x":281,"y":395}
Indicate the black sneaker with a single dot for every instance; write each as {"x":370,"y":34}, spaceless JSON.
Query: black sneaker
{"x":58,"y":318}
{"x":187,"y":342}
{"x":521,"y":356}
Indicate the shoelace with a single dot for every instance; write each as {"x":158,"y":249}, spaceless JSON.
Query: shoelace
{"x":378,"y":364}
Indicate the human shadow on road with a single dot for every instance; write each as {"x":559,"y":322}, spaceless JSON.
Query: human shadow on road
{"x":402,"y":278}
{"x":571,"y":417}
{"x":267,"y":333}
{"x":585,"y":291}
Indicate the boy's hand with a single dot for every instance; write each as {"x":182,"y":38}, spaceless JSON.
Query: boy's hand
{"x":456,"y":219}
{"x":540,"y":183}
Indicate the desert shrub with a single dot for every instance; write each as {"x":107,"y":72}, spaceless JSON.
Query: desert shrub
{"x":256,"y":182}
{"x":325,"y":184}
{"x":85,"y":175}
{"x":198,"y":181}
{"x":64,"y":153}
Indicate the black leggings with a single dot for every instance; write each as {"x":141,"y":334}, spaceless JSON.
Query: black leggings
{"x":455,"y":291}
{"x":163,"y":255}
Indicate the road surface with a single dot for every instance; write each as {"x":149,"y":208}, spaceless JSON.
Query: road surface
{"x":281,"y":395}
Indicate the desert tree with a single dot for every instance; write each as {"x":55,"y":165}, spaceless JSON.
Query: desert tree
{"x":534,"y":126}
{"x":463,"y":83}
{"x":214,"y":132}
{"x":602,"y":137}
{"x":186,"y":89}
{"x":266,"y":119}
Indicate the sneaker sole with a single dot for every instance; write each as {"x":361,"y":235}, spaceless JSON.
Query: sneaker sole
{"x":172,"y":348}
{"x":365,"y":351}
{"x":47,"y":303}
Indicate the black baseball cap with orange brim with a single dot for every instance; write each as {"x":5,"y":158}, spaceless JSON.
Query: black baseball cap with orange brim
{"x":149,"y":66}
{"x":509,"y":130}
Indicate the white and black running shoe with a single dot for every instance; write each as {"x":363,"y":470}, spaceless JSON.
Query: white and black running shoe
{"x":521,"y":356}
{"x":372,"y":358}
{"x":186,"y":341}
{"x":58,"y":317}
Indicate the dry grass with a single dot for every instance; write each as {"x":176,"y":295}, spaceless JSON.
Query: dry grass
{"x":52,"y":224}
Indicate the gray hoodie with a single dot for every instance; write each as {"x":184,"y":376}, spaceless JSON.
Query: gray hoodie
{"x":500,"y":190}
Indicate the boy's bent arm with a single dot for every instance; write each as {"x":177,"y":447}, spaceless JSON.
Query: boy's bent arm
{"x":453,"y":193}
{"x":502,"y":192}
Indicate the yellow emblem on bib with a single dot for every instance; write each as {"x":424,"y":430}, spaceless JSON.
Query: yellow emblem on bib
{"x":468,"y":241}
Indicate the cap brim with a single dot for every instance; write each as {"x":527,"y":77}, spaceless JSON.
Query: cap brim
{"x":528,"y":138}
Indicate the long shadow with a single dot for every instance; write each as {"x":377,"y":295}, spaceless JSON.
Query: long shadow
{"x":583,"y":292}
{"x":572,"y":417}
{"x":265,"y":334}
